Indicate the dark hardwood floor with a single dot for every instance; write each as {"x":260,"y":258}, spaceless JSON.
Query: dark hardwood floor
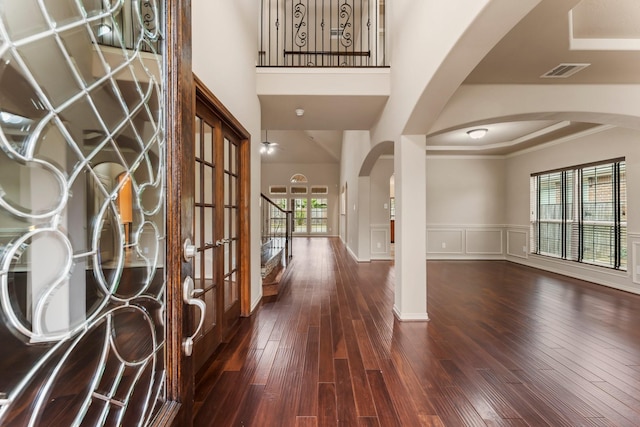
{"x":506,"y":345}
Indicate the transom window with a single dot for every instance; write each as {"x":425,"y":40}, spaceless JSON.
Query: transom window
{"x":580,"y":214}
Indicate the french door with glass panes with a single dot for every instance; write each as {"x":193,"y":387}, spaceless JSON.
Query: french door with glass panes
{"x":216,"y":228}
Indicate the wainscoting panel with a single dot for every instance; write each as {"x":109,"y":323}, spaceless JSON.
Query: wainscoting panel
{"x":380,"y":241}
{"x":460,"y":241}
{"x":633,"y":264}
{"x":517,"y":243}
{"x":484,"y":242}
{"x":445,"y":241}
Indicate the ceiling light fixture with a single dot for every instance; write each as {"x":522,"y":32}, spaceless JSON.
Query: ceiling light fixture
{"x":299,"y":112}
{"x":267,"y":147}
{"x":477,"y":133}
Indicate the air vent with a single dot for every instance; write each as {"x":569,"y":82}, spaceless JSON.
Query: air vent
{"x":336,"y":33}
{"x":563,"y":71}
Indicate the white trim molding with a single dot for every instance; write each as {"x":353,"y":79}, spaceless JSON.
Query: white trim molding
{"x":633,"y":264}
{"x":514,"y":246}
{"x":521,"y":250}
{"x":410,"y":317}
{"x":472,"y":243}
{"x":462,"y":241}
{"x":380,"y":240}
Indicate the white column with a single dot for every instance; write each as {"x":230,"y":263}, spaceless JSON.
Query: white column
{"x":410,"y":229}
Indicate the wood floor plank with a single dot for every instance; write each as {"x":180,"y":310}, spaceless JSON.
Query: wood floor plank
{"x":346,"y":404}
{"x":265,"y":363}
{"x":369,"y":359}
{"x":328,"y":414}
{"x":306,"y":422}
{"x":387,"y":415}
{"x":325,"y":357}
{"x":309,"y":384}
{"x":507,"y":345}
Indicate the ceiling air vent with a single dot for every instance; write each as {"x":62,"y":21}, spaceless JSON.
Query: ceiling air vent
{"x":563,"y":71}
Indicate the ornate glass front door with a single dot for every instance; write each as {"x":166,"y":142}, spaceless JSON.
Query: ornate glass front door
{"x":82,"y":212}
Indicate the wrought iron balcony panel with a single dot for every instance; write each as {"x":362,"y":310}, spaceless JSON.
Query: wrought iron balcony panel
{"x":322,"y":33}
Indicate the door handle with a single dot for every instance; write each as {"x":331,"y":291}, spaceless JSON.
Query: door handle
{"x":222,"y":242}
{"x":188,"y":250}
{"x":189,"y":297}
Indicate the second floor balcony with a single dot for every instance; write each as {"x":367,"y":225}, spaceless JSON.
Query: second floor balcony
{"x":322,"y":33}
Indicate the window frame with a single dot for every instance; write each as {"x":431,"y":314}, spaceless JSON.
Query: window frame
{"x":568,"y":242}
{"x":322,"y":219}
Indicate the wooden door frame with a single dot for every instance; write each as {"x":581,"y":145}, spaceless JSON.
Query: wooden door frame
{"x":180,"y":122}
{"x":204,"y":95}
{"x":180,"y":97}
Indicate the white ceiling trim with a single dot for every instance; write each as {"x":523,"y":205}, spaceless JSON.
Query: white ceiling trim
{"x":591,"y":131}
{"x":511,"y":143}
{"x":579,"y":43}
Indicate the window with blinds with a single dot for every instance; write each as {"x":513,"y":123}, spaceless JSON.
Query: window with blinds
{"x":580,"y":214}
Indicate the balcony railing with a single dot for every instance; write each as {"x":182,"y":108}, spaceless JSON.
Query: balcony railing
{"x":322,"y":33}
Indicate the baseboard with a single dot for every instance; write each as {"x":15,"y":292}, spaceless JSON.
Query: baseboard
{"x":255,"y":305}
{"x":410,"y":317}
{"x":356,"y":259}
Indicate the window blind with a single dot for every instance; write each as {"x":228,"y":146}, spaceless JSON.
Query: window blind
{"x":579,"y":213}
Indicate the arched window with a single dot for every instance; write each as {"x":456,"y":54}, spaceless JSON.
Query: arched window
{"x":298,"y":178}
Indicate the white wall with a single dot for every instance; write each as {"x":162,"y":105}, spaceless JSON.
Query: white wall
{"x":608,"y":144}
{"x":465,"y":207}
{"x":225,"y":34}
{"x":355,"y":147}
{"x":478,"y":185}
{"x":318,"y":174}
{"x":379,"y":208}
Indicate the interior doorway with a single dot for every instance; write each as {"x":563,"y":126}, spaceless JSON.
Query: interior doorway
{"x":220,"y":183}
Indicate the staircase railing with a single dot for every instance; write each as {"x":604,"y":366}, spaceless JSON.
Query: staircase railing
{"x":277,"y":226}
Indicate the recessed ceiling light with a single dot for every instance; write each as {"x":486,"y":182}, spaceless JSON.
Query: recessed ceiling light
{"x":299,"y":112}
{"x":477,"y":133}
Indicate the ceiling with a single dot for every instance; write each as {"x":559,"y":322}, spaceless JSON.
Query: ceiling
{"x":605,"y":34}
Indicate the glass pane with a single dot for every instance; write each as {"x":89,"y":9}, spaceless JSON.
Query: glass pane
{"x":207,"y":142}
{"x":198,"y":171}
{"x":227,"y":259}
{"x":197,"y":148}
{"x":22,"y":18}
{"x":82,"y":218}
{"x":227,"y":153}
{"x":234,"y":159}
{"x":63,"y":11}
{"x":208,"y":184}
{"x":234,"y":191}
{"x":53,"y":71}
